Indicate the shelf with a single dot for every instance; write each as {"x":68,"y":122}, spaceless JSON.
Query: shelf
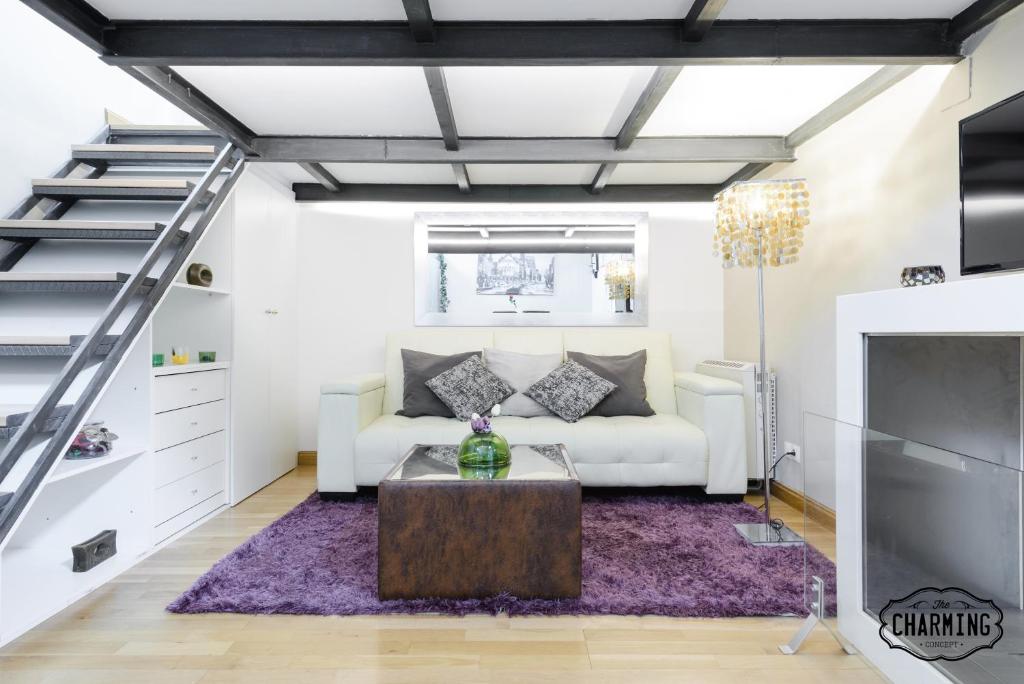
{"x":189,"y":368}
{"x":197,"y":288}
{"x":68,"y":468}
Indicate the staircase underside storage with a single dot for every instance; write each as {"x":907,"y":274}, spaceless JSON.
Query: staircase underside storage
{"x":85,"y":262}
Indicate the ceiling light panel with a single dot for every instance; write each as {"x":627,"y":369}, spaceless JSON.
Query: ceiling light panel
{"x":252,"y":10}
{"x":544,"y":101}
{"x":750,"y":100}
{"x":290,"y":100}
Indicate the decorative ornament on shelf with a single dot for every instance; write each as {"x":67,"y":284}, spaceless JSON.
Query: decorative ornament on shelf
{"x":483,"y":448}
{"x":199,"y":274}
{"x":915,"y":276}
{"x":179,"y":356}
{"x":620,"y":278}
{"x":93,"y":441}
{"x":207,"y":357}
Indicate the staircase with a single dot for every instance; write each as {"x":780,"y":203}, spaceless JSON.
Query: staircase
{"x":105,"y":193}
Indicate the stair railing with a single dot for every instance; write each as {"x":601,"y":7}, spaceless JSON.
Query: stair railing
{"x":35,"y":421}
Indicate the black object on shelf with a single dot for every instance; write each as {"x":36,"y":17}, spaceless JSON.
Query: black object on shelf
{"x":92,"y":552}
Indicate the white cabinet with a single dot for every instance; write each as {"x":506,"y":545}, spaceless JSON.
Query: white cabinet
{"x":263,"y":415}
{"x":190,"y":447}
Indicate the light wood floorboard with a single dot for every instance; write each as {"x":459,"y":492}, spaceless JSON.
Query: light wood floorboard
{"x":121,"y":633}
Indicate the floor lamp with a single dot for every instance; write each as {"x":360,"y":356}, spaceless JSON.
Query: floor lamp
{"x":761,"y":223}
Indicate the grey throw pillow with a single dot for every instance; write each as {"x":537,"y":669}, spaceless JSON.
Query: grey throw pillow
{"x":627,"y":373}
{"x":570,"y":391}
{"x":521,"y":371}
{"x":417,"y":399}
{"x":470,"y":388}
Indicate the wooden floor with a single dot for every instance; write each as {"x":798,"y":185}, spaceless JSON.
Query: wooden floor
{"x":120,"y":633}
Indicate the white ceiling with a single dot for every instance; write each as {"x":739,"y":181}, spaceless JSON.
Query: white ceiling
{"x":532,"y":174}
{"x":416,"y":174}
{"x":671,"y":174}
{"x":523,"y":10}
{"x":749,"y":100}
{"x":322,"y":100}
{"x":543,"y":101}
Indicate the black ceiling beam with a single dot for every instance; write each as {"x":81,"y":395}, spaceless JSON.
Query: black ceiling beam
{"x":462,"y":178}
{"x":978,"y":16}
{"x":178,"y":91}
{"x":520,"y":150}
{"x":601,"y":178}
{"x":77,"y":17}
{"x":438,"y":88}
{"x":421,"y":21}
{"x":321,"y":175}
{"x":234,"y":43}
{"x":312,"y":192}
{"x":702,"y":14}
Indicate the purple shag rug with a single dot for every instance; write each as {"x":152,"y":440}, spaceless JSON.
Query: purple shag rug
{"x":642,"y":555}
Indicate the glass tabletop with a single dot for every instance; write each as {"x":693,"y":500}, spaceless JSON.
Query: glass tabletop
{"x":440,"y":462}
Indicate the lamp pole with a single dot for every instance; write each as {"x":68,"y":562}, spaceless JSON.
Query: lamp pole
{"x":762,"y":387}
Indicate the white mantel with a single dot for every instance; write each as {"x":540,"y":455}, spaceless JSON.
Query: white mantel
{"x":985,"y":305}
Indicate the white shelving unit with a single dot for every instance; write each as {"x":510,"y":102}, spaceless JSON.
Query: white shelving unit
{"x":181,"y":457}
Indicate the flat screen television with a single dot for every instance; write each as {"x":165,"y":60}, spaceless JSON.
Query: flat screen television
{"x":992,"y":188}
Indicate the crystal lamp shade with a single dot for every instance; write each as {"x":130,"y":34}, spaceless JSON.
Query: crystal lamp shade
{"x":755,"y":217}
{"x":619,"y":277}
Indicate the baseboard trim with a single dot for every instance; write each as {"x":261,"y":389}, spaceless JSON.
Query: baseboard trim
{"x":307,"y":458}
{"x":821,"y":514}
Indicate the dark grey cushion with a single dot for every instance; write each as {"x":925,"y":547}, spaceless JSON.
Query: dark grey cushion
{"x":470,"y":388}
{"x":627,"y":373}
{"x":418,"y":399}
{"x":570,"y":391}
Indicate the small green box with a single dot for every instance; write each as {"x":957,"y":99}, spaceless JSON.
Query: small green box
{"x":207,"y":357}
{"x":158,"y":360}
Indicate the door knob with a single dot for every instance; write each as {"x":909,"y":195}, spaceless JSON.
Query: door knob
{"x":272,"y":312}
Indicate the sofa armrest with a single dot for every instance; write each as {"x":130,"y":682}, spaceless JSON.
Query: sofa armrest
{"x":715,"y":405}
{"x":346,"y":408}
{"x":355,"y":384}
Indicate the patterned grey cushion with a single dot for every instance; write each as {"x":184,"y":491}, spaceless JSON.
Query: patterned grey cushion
{"x":570,"y":391}
{"x":470,"y":388}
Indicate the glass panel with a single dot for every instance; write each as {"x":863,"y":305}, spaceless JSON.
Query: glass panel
{"x":933,"y":518}
{"x":440,"y":462}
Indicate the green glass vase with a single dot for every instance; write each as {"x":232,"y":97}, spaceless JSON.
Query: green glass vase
{"x":484,"y":450}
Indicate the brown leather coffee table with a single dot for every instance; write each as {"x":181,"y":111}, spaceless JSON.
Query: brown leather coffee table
{"x":443,"y":535}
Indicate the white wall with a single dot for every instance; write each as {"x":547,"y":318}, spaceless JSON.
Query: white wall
{"x":356,"y":284}
{"x":53,"y":95}
{"x":884,"y":194}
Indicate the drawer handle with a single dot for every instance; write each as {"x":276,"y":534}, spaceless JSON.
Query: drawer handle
{"x":194,"y":458}
{"x":194,"y":492}
{"x":193,"y":389}
{"x":194,"y":423}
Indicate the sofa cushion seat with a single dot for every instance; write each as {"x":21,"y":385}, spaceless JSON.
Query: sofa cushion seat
{"x":637,"y":451}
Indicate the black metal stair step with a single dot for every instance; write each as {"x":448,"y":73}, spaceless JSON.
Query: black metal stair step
{"x":13,"y":415}
{"x":23,"y":281}
{"x":144,"y":189}
{"x":49,"y":345}
{"x":83,"y":230}
{"x":146,"y":131}
{"x":145,"y":154}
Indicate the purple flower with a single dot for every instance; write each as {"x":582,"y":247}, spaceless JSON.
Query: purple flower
{"x":480,"y":424}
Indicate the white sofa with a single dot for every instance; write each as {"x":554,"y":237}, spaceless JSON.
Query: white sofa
{"x":697,"y":436}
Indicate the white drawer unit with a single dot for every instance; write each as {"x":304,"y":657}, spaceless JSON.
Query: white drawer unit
{"x":179,"y":461}
{"x":179,"y":496}
{"x":184,"y":425}
{"x":188,"y":389}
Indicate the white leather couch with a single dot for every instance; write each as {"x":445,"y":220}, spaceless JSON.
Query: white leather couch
{"x":697,"y":436}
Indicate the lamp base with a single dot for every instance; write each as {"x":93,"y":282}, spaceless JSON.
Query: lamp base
{"x":763,"y":534}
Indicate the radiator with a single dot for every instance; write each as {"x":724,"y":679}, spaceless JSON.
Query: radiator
{"x":745,"y":373}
